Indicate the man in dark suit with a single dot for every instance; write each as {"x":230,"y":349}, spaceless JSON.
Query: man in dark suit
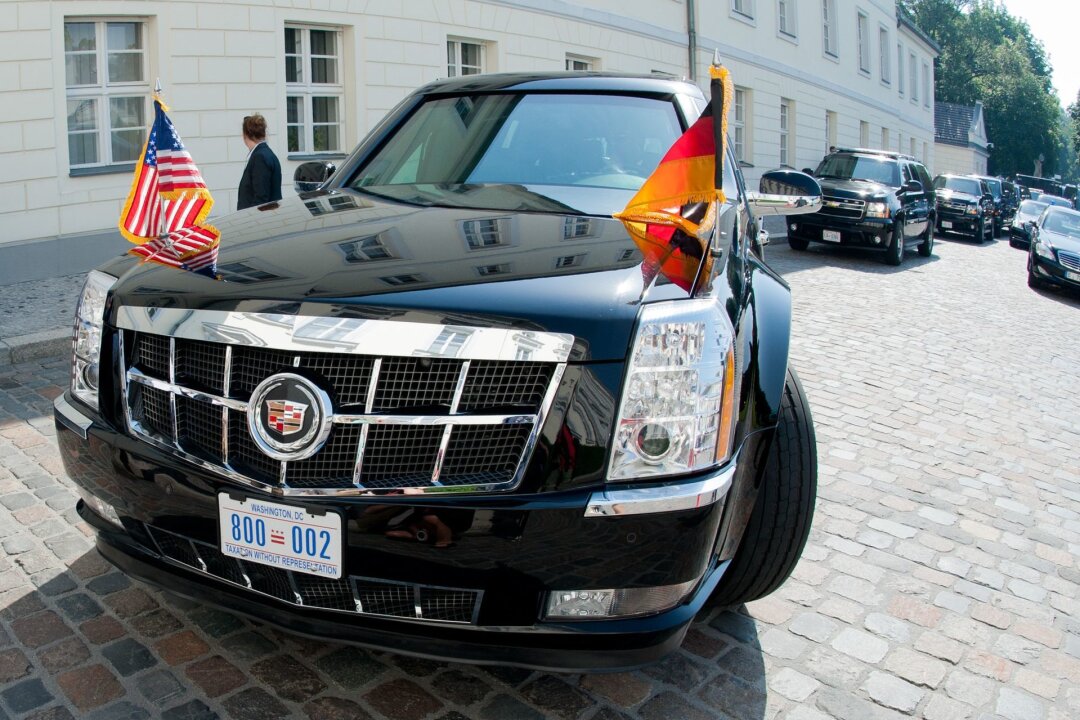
{"x":261,"y":181}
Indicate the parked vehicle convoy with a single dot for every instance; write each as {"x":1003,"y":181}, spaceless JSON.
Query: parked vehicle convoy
{"x":438,"y":406}
{"x":1026,"y":216}
{"x":1011,"y":200}
{"x":964,"y":206}
{"x":870,"y":199}
{"x":1054,"y":255}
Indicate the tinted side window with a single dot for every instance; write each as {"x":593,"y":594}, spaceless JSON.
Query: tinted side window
{"x":923,"y":176}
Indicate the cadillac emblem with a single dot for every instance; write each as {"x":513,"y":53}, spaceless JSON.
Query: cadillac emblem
{"x":289,"y":416}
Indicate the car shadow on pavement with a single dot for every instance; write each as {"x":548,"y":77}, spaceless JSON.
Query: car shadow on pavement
{"x":1065,"y":296}
{"x":84,"y":640}
{"x":785,"y":260}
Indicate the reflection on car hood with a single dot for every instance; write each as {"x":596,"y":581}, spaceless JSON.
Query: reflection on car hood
{"x":958,"y":196}
{"x":854,"y":189}
{"x":1061,"y":241}
{"x":561,"y":273}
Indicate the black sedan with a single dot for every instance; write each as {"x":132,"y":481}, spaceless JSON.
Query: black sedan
{"x":1054,"y":257}
{"x":1026,"y":216}
{"x":442,"y":406}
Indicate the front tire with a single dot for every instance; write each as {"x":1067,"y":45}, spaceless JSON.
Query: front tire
{"x":797,"y":243}
{"x":895,"y":254}
{"x":926,"y":247}
{"x":780,"y":521}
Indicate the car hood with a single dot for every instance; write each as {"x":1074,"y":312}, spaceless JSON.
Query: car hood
{"x":344,"y":254}
{"x":1061,"y":241}
{"x":956,"y":196}
{"x":854,"y":189}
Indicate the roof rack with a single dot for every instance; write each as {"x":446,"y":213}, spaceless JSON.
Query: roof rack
{"x":876,"y":151}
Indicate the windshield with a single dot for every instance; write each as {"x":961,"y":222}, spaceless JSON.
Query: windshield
{"x":995,"y":187}
{"x":1064,"y":222}
{"x":965,"y":185}
{"x":858,"y":167}
{"x":513,"y":151}
{"x":1031,"y":207}
{"x":1054,"y":200}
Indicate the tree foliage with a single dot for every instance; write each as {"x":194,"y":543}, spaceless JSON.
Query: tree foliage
{"x":989,"y":55}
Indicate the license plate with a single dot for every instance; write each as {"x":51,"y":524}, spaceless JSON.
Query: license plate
{"x":946,"y":224}
{"x":282,"y":536}
{"x":830,"y":236}
{"x":1075,"y":277}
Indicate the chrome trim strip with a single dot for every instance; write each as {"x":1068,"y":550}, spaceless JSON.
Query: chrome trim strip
{"x":538,"y":424}
{"x":434,"y":419}
{"x":125,"y":379}
{"x":226,"y":390}
{"x":440,"y":454}
{"x":666,"y":498}
{"x":71,"y":418}
{"x":765,"y":204}
{"x":459,"y":388}
{"x":136,"y":375}
{"x":352,"y":335}
{"x":172,"y":396}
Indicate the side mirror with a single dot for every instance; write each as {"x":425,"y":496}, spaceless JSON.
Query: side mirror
{"x":785,"y":192}
{"x":808,"y":171}
{"x":311,"y":175}
{"x":988,"y":198}
{"x":913,"y":186}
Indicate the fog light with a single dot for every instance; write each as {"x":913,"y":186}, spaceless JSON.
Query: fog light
{"x":653,"y":442}
{"x":614,"y":603}
{"x":793,"y":227}
{"x":103,"y":509}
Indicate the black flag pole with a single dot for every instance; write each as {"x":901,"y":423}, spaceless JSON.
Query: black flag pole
{"x":716,"y":97}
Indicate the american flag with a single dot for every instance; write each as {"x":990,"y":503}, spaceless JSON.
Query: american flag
{"x":168,"y":203}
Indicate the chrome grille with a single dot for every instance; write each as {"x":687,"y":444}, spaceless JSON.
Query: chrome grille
{"x":841,"y":207}
{"x":352,"y":594}
{"x":399,"y":422}
{"x":1069,"y":260}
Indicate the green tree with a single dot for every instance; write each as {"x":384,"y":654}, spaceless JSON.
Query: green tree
{"x":989,"y":55}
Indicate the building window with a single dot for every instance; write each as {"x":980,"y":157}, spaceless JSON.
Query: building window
{"x":243,"y":273}
{"x":407,"y":279}
{"x":862,"y":25}
{"x":884,"y":138}
{"x":449,"y":342}
{"x":366,"y":249}
{"x":914,"y":81}
{"x":786,"y":122}
{"x":566,"y":261}
{"x":786,"y":18}
{"x":864,"y":134}
{"x":480,"y":234}
{"x":925,"y":152}
{"x":911,"y":143}
{"x":828,"y":27}
{"x":314,"y":91}
{"x":743,"y":7}
{"x":739,"y":124}
{"x":830,"y":130}
{"x":900,"y":68}
{"x":576,"y":63}
{"x":105,"y":77}
{"x":575,"y":228}
{"x":496,"y":269}
{"x":884,"y":56}
{"x":925,"y":85}
{"x":464,"y":57}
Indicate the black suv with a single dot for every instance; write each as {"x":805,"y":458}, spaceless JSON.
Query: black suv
{"x":870,"y":199}
{"x":441,"y":406}
{"x":999,"y":204}
{"x":965,"y":206}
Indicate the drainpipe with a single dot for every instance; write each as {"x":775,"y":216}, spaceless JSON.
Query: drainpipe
{"x":691,"y":35}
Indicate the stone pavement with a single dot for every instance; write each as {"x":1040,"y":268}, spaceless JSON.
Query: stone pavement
{"x":941,"y":579}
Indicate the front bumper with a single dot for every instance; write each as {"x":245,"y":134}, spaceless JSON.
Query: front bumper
{"x":509,"y":550}
{"x":875,"y":234}
{"x":1053,"y":272}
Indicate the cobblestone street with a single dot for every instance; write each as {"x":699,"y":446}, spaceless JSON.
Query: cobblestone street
{"x":941,"y":580}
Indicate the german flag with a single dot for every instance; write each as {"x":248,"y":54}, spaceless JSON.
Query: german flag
{"x":672,"y":216}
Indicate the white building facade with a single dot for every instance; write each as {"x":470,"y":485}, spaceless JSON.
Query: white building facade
{"x":76,"y":79}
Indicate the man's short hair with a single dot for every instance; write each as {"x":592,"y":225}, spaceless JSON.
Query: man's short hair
{"x":255,"y":126}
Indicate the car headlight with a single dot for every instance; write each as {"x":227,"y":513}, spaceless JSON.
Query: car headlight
{"x":972,"y":210}
{"x":677,"y":413}
{"x":1043,"y":248}
{"x":86,"y":340}
{"x":877,"y":210}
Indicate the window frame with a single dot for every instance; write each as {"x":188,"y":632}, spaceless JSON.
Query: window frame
{"x":926,"y":83}
{"x":787,"y":121}
{"x":740,"y":128}
{"x":744,"y":10}
{"x":862,"y":41}
{"x":900,"y":68}
{"x":454,"y":65}
{"x":104,"y":90}
{"x":590,"y":64}
{"x":885,"y":54}
{"x":307,"y":90}
{"x":864,"y":133}
{"x":787,"y":19}
{"x":913,"y":78}
{"x":831,"y":120}
{"x":830,"y":40}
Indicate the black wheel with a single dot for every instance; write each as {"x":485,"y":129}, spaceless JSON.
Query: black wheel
{"x":797,"y":243}
{"x":926,"y":247}
{"x":894,"y":255}
{"x":988,"y":232}
{"x":1034,"y":282}
{"x":780,"y":522}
